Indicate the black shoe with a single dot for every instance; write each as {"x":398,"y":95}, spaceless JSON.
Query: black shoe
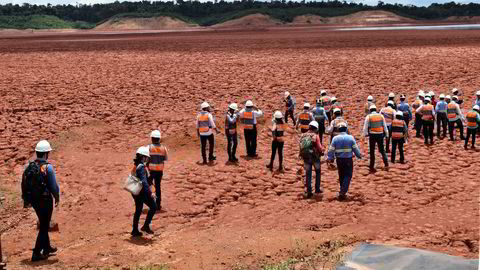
{"x":269,"y":166}
{"x":387,"y":151}
{"x":147,"y":230}
{"x":212,"y":158}
{"x":38,"y":257}
{"x":204,"y":162}
{"x":235,"y":159}
{"x":136,"y":233}
{"x":319,"y":191}
{"x":280,"y":168}
{"x":307,"y":195}
{"x":342,"y":197}
{"x":49,"y":251}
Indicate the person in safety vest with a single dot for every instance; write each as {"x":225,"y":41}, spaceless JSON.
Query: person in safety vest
{"x":278,"y":135}
{"x":418,"y":117}
{"x":290,"y":107}
{"x":342,"y":148}
{"x":334,"y":128}
{"x":391,"y":97}
{"x":320,"y":115}
{"x":327,"y":104}
{"x":428,"y":119}
{"x":158,"y":156}
{"x":375,"y":128}
{"x":404,"y":107}
{"x":399,"y":135}
{"x":336,"y":105}
{"x":313,"y":161}
{"x":473,"y":122}
{"x":456,"y":92}
{"x":389,"y":114}
{"x":455,"y":117}
{"x":442,"y":119}
{"x":433,"y":100}
{"x":304,"y":118}
{"x":249,"y":117}
{"x":231,"y":131}
{"x":205,"y":125}
{"x":477,"y":102}
{"x":369,"y":104}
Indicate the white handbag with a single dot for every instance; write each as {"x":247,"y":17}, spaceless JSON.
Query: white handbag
{"x":133,"y":185}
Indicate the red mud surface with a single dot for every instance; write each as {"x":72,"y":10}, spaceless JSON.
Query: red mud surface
{"x":97,"y":97}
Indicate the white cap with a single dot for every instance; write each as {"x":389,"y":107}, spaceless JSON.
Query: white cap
{"x":249,"y":103}
{"x":442,"y":96}
{"x":306,"y":105}
{"x":336,"y":110}
{"x":333,"y":99}
{"x":43,"y":147}
{"x":156,"y":134}
{"x":399,"y":113}
{"x":144,"y":151}
{"x":314,"y":124}
{"x":476,"y":107}
{"x":431,"y":93}
{"x":448,"y":97}
{"x":427,"y":99}
{"x":454,"y":97}
{"x":373,"y":107}
{"x":287,"y":94}
{"x":421,"y":94}
{"x":323,"y":92}
{"x":390,"y":102}
{"x":454,"y":90}
{"x":233,"y":106}
{"x":278,"y":115}
{"x":478,"y":93}
{"x":204,"y":105}
{"x":370,"y":98}
{"x":342,"y":125}
{"x":391,"y":94}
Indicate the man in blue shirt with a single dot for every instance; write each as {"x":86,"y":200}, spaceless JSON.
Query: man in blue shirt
{"x":442,"y":120}
{"x":404,"y":107}
{"x":342,"y":148}
{"x":290,"y":108}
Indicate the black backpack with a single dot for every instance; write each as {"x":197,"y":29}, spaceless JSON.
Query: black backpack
{"x":34,"y":182}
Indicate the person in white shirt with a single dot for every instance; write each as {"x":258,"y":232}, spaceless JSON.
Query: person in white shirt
{"x":249,"y":117}
{"x":205,"y":127}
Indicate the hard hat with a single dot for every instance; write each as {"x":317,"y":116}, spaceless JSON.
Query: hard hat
{"x":454,"y":97}
{"x":319,"y":101}
{"x":399,"y":113}
{"x":427,"y":99}
{"x":233,"y":106}
{"x":314,"y":124}
{"x":478,"y":93}
{"x":421,"y":95}
{"x":278,"y":115}
{"x":420,"y":92}
{"x":373,"y":107}
{"x":476,"y":107}
{"x":287,"y":94}
{"x":427,"y":95}
{"x":333,"y":99}
{"x":337,"y":110}
{"x":391,"y":95}
{"x":306,"y":105}
{"x":342,"y":125}
{"x":431,"y":93}
{"x":454,"y":90}
{"x":323,"y":92}
{"x":390,"y":102}
{"x":249,"y":103}
{"x":156,"y":134}
{"x":43,"y":147}
{"x":442,"y":96}
{"x":204,"y":105}
{"x":448,"y":97}
{"x":144,"y":151}
{"x":370,"y":98}
{"x":402,"y":96}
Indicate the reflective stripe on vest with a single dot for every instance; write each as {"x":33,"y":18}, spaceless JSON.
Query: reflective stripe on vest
{"x":203,"y":123}
{"x":376,"y":124}
{"x":452,"y":111}
{"x":279,"y":132}
{"x":231,"y":128}
{"x":248,"y":120}
{"x":472,"y":119}
{"x":347,"y":149}
{"x":304,"y":119}
{"x":427,"y":112}
{"x":157,"y":157}
{"x":389,"y":115}
{"x":336,"y":123}
{"x":326,"y":103}
{"x":398,"y":129}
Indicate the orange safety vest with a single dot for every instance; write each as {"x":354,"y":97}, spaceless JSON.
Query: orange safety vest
{"x":376,"y":124}
{"x":158,"y":154}
{"x":304,"y":119}
{"x":472,"y":119}
{"x":427,"y":112}
{"x":398,"y":128}
{"x":388,"y":113}
{"x":451,"y":111}
{"x":416,"y":105}
{"x":203,"y":123}
{"x":248,"y":120}
{"x":279,"y":132}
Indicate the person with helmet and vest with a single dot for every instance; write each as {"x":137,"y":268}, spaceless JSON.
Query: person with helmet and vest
{"x":42,"y":202}
{"x":391,"y":97}
{"x":333,"y":129}
{"x":290,"y":107}
{"x":433,"y":100}
{"x":369,"y":104}
{"x":336,"y":105}
{"x":404,"y":107}
{"x":278,"y":135}
{"x":249,"y":117}
{"x":477,"y":102}
{"x":313,"y":161}
{"x":456,"y":92}
{"x":327,"y":104}
{"x":455,"y":117}
{"x":231,"y":131}
{"x":399,"y":134}
{"x":304,"y":118}
{"x":428,"y":119}
{"x":375,"y":128}
{"x":389,"y":114}
{"x":320,"y":115}
{"x":418,"y":117}
{"x":473,"y":122}
{"x":205,"y":125}
{"x":158,"y":156}
{"x":342,"y":148}
{"x":146,"y":196}
{"x":442,"y":119}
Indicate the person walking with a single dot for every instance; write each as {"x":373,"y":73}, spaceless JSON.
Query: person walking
{"x":39,"y":189}
{"x":205,"y":125}
{"x":327,"y":104}
{"x":145,"y":196}
{"x":375,"y":128}
{"x":473,"y":122}
{"x":455,"y":118}
{"x":428,"y":119}
{"x":311,"y":151}
{"x":389,"y":114}
{"x":342,"y":148}
{"x":418,"y":116}
{"x":231,"y":131}
{"x":369,"y":104}
{"x":156,"y":164}
{"x":336,"y":105}
{"x":290,"y":108}
{"x":320,"y":116}
{"x":442,"y":119}
{"x":278,"y":135}
{"x":249,"y":116}
{"x":333,"y":129}
{"x":391,"y":97}
{"x":477,"y":100}
{"x":456,"y":93}
{"x":304,"y":118}
{"x":404,"y":107}
{"x":399,"y":135}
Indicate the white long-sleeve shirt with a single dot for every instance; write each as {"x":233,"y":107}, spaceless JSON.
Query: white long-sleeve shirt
{"x":458,"y":111}
{"x":212,"y":126}
{"x":366,"y":125}
{"x":256,"y":113}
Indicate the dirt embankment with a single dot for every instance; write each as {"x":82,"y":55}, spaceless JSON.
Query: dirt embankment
{"x":465,"y":19}
{"x":154,"y":23}
{"x":250,"y":21}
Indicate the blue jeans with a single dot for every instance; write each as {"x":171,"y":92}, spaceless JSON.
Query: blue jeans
{"x":345,"y":173}
{"x":308,"y":166}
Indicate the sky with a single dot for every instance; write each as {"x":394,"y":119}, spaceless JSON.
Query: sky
{"x":368,"y":2}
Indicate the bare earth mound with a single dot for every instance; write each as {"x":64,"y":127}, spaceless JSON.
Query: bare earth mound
{"x":154,"y":23}
{"x":310,"y":19}
{"x":369,"y":17}
{"x":470,"y":19}
{"x":250,"y":21}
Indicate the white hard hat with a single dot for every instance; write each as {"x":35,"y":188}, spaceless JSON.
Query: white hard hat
{"x":399,"y":113}
{"x":454,"y":97}
{"x":391,"y":94}
{"x":448,"y":97}
{"x":420,"y":92}
{"x":156,"y":134}
{"x":431,"y":93}
{"x":43,"y":147}
{"x":478,"y":93}
{"x":421,"y":95}
{"x":333,"y":99}
{"x":278,"y":115}
{"x":204,"y":105}
{"x":402,"y":96}
{"x":233,"y":106}
{"x":336,"y":110}
{"x":323,"y":92}
{"x":249,"y":103}
{"x":287,"y":94}
{"x":373,"y":107}
{"x":454,"y":90}
{"x":144,"y":151}
{"x":476,"y":107}
{"x":390,"y":102}
{"x":314,"y":124}
{"x":442,"y":96}
{"x":306,"y":105}
{"x":342,"y":125}
{"x":370,"y":98}
{"x":427,"y":99}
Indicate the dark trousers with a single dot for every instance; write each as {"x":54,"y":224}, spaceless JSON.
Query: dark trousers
{"x":373,"y":140}
{"x":418,"y":124}
{"x":139,"y":201}
{"x":211,"y":144}
{"x":277,"y":146}
{"x":399,"y":143}
{"x":428,"y":131}
{"x":157,"y":177}
{"x":287,"y":114}
{"x":44,"y":209}
{"x":442,"y":121}
{"x":251,"y":141}
{"x":329,"y":115}
{"x":345,"y":173}
{"x":309,"y":165}
{"x":388,"y":139}
{"x":321,"y":130}
{"x":232,"y":145}
{"x":473,"y":133}
{"x":451,"y":128}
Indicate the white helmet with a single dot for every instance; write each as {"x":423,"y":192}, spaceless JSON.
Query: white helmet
{"x":43,"y":147}
{"x":156,"y":134}
{"x":336,"y":110}
{"x":144,"y":151}
{"x":249,"y":103}
{"x":306,"y":105}
{"x":373,"y":107}
{"x":448,"y":97}
{"x":431,"y":93}
{"x":333,"y":99}
{"x":370,"y":98}
{"x":390,"y":102}
{"x":278,"y":115}
{"x":478,"y":93}
{"x":399,"y":113}
{"x":442,"y":96}
{"x":342,"y":125}
{"x":391,"y":95}
{"x":455,"y":98}
{"x":287,"y":94}
{"x":314,"y":124}
{"x":323,"y":92}
{"x":454,"y":90}
{"x":233,"y":106}
{"x":427,"y":99}
{"x":204,"y":105}
{"x":476,"y":107}
{"x":421,"y":94}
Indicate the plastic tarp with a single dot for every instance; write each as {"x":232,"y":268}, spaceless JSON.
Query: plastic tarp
{"x":379,"y":257}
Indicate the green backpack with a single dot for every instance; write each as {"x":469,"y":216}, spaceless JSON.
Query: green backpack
{"x":307,"y":151}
